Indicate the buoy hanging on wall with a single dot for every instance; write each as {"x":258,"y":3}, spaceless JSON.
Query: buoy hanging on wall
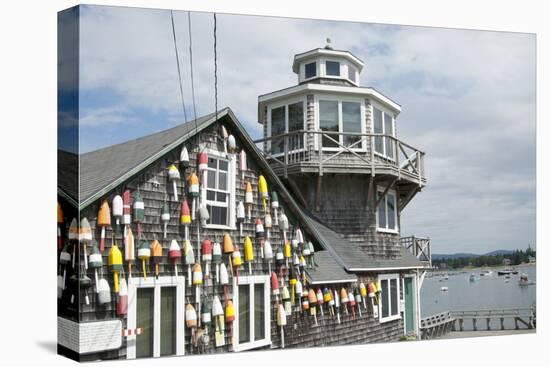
{"x":185,"y":217}
{"x":193,"y":193}
{"x":156,"y":255}
{"x":248,"y":200}
{"x":144,"y":253}
{"x":275,"y":206}
{"x":85,"y":237}
{"x":129,"y":250}
{"x":59,"y":224}
{"x":96,"y":262}
{"x":114,"y":261}
{"x":174,"y":175}
{"x":240,"y":217}
{"x":165,"y":218}
{"x":103,"y":220}
{"x":242,"y":163}
{"x":262,"y":191}
{"x":174,"y":253}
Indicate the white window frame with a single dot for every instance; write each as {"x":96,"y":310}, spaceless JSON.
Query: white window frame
{"x":339,"y":76}
{"x":324,"y":97}
{"x":381,"y":189}
{"x":285,"y":104}
{"x":391,"y":317}
{"x":384,"y":113}
{"x":231,"y":177}
{"x":251,"y":280}
{"x":135,"y":283}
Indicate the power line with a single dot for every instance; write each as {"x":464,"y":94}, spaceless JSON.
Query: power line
{"x":191,"y":68}
{"x":178,"y":63}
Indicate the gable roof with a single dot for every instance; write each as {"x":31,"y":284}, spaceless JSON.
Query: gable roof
{"x":354,"y":259}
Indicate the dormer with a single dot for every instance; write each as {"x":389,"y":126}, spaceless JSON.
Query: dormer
{"x":327,"y":66}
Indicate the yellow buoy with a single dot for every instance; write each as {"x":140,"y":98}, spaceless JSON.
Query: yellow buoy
{"x":114,"y":261}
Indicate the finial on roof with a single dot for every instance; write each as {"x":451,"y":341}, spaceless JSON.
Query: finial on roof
{"x":328,"y":46}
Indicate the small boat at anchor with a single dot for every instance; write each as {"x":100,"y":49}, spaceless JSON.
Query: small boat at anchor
{"x":444,"y":289}
{"x":474,"y":277}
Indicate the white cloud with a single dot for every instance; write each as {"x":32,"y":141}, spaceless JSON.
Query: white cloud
{"x":468,"y":100}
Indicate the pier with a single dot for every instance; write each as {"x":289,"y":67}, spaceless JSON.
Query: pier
{"x":473,"y":321}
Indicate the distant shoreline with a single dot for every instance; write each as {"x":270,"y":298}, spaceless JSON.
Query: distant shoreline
{"x":484,"y":267}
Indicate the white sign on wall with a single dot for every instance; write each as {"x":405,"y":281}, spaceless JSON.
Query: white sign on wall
{"x":89,"y":337}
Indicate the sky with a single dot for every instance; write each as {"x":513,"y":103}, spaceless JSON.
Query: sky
{"x":467,"y":97}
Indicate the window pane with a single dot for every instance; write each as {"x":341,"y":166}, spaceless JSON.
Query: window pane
{"x":351,"y":74}
{"x":382,"y":212}
{"x":296,"y":122}
{"x":351,"y":122}
{"x":277,"y":128}
{"x":244,"y":313}
{"x":211,"y":179}
{"x":393,"y":296}
{"x":223,"y":216}
{"x":212,"y":163}
{"x":378,"y":129}
{"x":333,"y":68}
{"x":144,"y":320}
{"x":328,"y":120}
{"x":259,"y":312}
{"x":391,"y":210}
{"x":222,"y":180}
{"x":388,"y":130}
{"x":311,"y":70}
{"x":221,"y":197}
{"x":210,"y":195}
{"x":167,"y":321}
{"x":223,"y":165}
{"x":384,"y":296}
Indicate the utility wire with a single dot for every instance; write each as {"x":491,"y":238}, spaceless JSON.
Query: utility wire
{"x":191,"y":68}
{"x":215,"y":70}
{"x":178,"y":63}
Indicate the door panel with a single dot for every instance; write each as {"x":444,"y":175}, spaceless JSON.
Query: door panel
{"x":144,"y":320}
{"x":409,"y":305}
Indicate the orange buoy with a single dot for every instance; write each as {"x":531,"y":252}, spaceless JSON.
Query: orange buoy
{"x":103,"y":220}
{"x":156,"y":256}
{"x":59,"y":224}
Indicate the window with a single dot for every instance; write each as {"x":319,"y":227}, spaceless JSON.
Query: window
{"x":351,"y":74}
{"x":220,"y":183}
{"x":386,"y":213}
{"x":340,"y":116}
{"x":389,"y":297}
{"x":383,"y":124}
{"x":286,"y":119}
{"x":311,"y":70}
{"x":153,"y":306}
{"x":332,"y":68}
{"x":252,"y":316}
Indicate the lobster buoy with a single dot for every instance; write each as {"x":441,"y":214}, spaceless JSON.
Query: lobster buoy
{"x":144,"y":253}
{"x":190,"y":316}
{"x":358,"y":302}
{"x":129,"y":252}
{"x":202,"y":159}
{"x":351,"y":301}
{"x":59,"y":224}
{"x":363,"y":293}
{"x":336,"y":303}
{"x":126,"y":209}
{"x":174,"y":175}
{"x":193,"y":192}
{"x":268,"y":253}
{"x":262,"y":190}
{"x":184,"y":158}
{"x":268,"y":224}
{"x":85,"y":236}
{"x":299,"y":292}
{"x":292,"y":279}
{"x":64,"y":260}
{"x":237,"y":262}
{"x":285,"y":296}
{"x":189,"y":254}
{"x":248,"y":199}
{"x":224,"y":137}
{"x":118,"y":209}
{"x":96,"y":262}
{"x":114,"y":261}
{"x":174,"y":253}
{"x":260,"y":235}
{"x":275,"y":286}
{"x":281,"y":322}
{"x":206,"y":312}
{"x":204,"y":216}
{"x":156,"y":256}
{"x":320,"y":301}
{"x":122,"y":304}
{"x":312,"y":298}
{"x":103,"y":220}
{"x":327,"y":298}
{"x":73,"y":237}
{"x":84,"y":283}
{"x":217,"y":258}
{"x":248,"y":253}
{"x":275,"y":206}
{"x":231,"y":144}
{"x":197,"y":282}
{"x":344,"y":299}
{"x":165,"y":218}
{"x":104,"y":292}
{"x":185,"y":217}
{"x":206,"y":252}
{"x":305,"y":301}
{"x":217,"y":313}
{"x":228,"y":249}
{"x":240,"y":216}
{"x":283,"y":224}
{"x":242,"y":163}
{"x":139,"y":212}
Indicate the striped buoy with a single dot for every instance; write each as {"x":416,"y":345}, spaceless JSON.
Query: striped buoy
{"x":320,"y":300}
{"x":156,"y":255}
{"x":190,"y":316}
{"x":260,"y":235}
{"x":228,"y":249}
{"x":165,"y":218}
{"x":275,"y":206}
{"x":85,"y":237}
{"x":174,"y":253}
{"x":189,"y":254}
{"x":363,"y":293}
{"x":193,"y":182}
{"x":217,"y":258}
{"x":248,"y":199}
{"x":206,"y":252}
{"x":185,"y":217}
{"x":104,"y":292}
{"x":114,"y":261}
{"x":242,"y":163}
{"x":96,"y":262}
{"x":126,"y":208}
{"x":240,"y":216}
{"x":144,"y":253}
{"x":184,"y":158}
{"x":122,"y":303}
{"x":129,"y":250}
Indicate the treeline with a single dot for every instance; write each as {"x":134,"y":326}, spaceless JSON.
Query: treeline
{"x":517,"y":257}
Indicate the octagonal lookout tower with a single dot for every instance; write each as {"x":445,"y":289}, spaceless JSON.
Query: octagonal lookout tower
{"x":334,"y":143}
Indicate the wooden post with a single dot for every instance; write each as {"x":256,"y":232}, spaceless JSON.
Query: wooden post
{"x":461,"y":323}
{"x":488,"y":323}
{"x":474,"y":321}
{"x":516,"y":322}
{"x":502,"y":323}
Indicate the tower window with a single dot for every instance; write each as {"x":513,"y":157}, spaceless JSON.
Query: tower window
{"x":333,"y":68}
{"x":311,"y":70}
{"x":351,"y":74}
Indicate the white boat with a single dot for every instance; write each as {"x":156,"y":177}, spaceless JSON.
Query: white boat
{"x":473,"y":277}
{"x":444,"y":289}
{"x":486,"y":273}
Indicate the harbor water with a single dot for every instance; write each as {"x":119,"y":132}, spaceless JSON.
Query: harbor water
{"x":479,"y":293}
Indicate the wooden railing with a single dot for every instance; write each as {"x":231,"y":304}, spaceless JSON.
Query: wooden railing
{"x":435,"y":326}
{"x":521,"y":317}
{"x":325,"y":149}
{"x":420,"y":247}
